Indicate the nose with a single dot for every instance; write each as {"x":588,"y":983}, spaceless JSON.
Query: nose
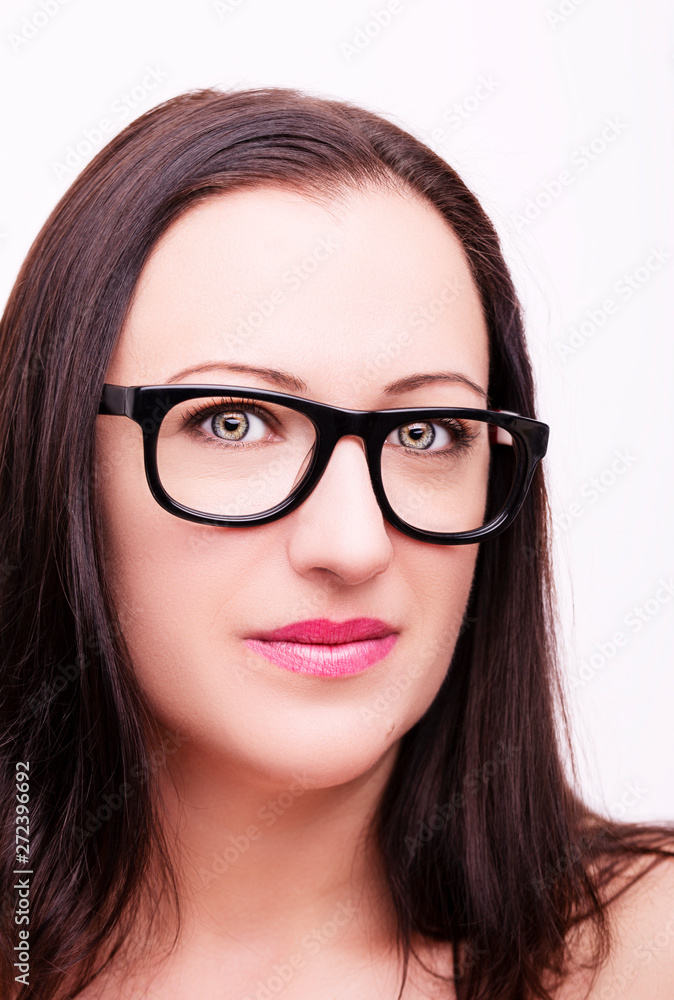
{"x":340,"y":528}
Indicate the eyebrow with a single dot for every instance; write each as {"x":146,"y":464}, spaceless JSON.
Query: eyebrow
{"x":291,"y":383}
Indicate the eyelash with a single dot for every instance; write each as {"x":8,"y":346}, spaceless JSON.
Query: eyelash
{"x":197,"y":415}
{"x":462,"y":438}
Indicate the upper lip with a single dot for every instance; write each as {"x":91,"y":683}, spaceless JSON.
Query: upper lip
{"x":324,"y":631}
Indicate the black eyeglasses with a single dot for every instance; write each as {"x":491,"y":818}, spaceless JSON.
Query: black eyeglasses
{"x":232,"y":455}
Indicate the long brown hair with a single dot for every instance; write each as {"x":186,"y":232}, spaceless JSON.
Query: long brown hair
{"x":485,"y":844}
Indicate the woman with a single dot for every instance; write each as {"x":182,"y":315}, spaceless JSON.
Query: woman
{"x":314,"y":751}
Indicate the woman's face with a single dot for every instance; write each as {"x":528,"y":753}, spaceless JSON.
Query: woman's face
{"x":347,"y":298}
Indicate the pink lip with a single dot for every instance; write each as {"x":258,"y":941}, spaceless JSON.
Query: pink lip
{"x":324,"y":648}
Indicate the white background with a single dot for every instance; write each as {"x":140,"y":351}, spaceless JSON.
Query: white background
{"x":508,"y":93}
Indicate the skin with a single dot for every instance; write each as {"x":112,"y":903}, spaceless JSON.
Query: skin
{"x":268,"y":778}
{"x":250,"y":733}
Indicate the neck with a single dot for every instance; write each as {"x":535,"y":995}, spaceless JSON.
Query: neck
{"x":267,"y":862}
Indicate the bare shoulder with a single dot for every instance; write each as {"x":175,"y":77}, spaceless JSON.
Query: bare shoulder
{"x":640,"y":963}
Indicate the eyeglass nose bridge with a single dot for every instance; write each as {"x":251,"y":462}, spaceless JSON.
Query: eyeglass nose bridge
{"x":335,"y":425}
{"x":146,"y":405}
{"x":345,"y":423}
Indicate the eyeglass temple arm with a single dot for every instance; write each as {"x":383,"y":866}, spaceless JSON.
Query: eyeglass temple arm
{"x":115,"y":400}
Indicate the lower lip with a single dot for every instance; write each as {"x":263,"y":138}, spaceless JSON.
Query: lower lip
{"x":339,"y":660}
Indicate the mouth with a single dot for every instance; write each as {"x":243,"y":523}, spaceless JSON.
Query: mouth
{"x":324,"y":648}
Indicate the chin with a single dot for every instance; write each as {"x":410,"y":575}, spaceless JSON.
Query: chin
{"x":316,"y":765}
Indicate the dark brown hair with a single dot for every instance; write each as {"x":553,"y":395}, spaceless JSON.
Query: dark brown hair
{"x":484,"y":842}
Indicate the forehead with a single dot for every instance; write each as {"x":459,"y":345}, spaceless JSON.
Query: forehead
{"x":349,"y":295}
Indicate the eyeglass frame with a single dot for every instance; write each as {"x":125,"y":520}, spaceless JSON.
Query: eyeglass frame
{"x":140,"y":403}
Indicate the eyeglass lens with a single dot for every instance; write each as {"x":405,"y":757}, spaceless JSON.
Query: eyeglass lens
{"x":236,"y":457}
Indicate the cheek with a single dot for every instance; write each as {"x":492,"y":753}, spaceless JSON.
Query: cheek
{"x":160,"y":568}
{"x":173,"y":586}
{"x":186,"y":593}
{"x":439,"y":587}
